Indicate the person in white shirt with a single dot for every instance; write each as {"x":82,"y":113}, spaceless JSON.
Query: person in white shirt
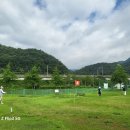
{"x":1,"y":94}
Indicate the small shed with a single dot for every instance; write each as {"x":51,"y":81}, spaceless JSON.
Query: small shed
{"x":105,"y":85}
{"x":118,"y":86}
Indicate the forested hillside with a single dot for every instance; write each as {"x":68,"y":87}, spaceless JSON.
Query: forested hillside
{"x":22,"y":60}
{"x":103,"y":68}
{"x":98,"y":69}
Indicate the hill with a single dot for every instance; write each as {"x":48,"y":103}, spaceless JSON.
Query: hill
{"x":22,"y":60}
{"x":97,"y":69}
{"x":103,"y":68}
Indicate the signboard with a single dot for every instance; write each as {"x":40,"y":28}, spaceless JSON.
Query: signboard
{"x":56,"y":90}
{"x":105,"y":85}
{"x":77,"y":83}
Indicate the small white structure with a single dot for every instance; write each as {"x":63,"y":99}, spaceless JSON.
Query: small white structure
{"x":118,"y":86}
{"x":20,"y":79}
{"x":11,"y":109}
{"x":57,"y":91}
{"x":105,"y":85}
{"x":47,"y":78}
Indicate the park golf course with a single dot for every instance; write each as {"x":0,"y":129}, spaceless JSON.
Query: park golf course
{"x":111,"y":111}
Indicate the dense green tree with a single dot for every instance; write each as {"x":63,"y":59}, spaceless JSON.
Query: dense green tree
{"x":8,"y":75}
{"x":88,"y":81}
{"x":119,"y":75}
{"x":57,"y":79}
{"x":69,"y":80}
{"x":33,"y":78}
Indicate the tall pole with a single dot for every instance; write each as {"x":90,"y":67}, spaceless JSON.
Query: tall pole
{"x":93,"y":80}
{"x":102,"y":70}
{"x":97,"y":72}
{"x":47,"y":70}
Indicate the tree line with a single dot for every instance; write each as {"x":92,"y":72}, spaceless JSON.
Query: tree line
{"x":32,"y":79}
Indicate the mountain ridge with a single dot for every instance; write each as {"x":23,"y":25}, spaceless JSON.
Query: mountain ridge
{"x":24,"y":59}
{"x":103,"y":68}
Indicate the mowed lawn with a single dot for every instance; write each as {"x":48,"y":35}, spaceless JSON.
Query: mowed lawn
{"x":111,"y":111}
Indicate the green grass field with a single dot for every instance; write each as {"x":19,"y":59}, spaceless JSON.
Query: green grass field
{"x":111,"y":111}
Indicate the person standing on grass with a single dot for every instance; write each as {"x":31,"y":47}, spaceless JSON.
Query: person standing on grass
{"x":124,"y":89}
{"x":99,"y":91}
{"x":1,"y":94}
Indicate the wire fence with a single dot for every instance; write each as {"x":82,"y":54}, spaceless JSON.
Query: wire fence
{"x":51,"y":91}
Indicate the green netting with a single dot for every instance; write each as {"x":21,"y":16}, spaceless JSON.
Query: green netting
{"x":50,"y":91}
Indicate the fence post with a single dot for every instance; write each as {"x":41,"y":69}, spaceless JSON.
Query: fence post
{"x":23,"y":91}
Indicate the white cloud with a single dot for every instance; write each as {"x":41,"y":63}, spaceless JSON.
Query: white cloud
{"x":78,"y":8}
{"x":77,"y":32}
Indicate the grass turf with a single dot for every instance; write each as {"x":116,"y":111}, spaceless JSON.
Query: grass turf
{"x":64,"y":112}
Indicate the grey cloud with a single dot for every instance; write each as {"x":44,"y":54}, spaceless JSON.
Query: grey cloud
{"x":63,"y":30}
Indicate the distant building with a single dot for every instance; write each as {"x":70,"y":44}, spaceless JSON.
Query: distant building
{"x":118,"y":86}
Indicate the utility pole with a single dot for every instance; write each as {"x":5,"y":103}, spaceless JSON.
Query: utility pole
{"x":47,"y":70}
{"x":102,"y":70}
{"x":97,"y":72}
{"x":93,"y":80}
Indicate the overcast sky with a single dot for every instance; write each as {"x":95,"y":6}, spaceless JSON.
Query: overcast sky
{"x":77,"y":32}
